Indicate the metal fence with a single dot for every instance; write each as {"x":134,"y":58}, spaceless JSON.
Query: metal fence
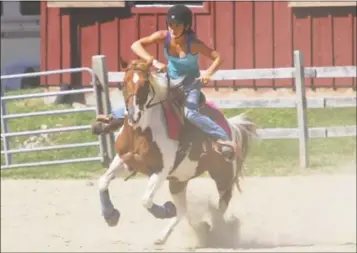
{"x":6,"y":134}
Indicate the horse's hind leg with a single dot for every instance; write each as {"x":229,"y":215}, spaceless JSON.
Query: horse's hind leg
{"x":225,"y":196}
{"x":178,"y":193}
{"x":117,"y":167}
{"x":224,"y":186}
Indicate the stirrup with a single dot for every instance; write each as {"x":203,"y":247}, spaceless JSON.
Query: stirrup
{"x":232,"y":146}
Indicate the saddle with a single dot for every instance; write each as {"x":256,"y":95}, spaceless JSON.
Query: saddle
{"x":174,"y":112}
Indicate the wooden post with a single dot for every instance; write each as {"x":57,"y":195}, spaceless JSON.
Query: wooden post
{"x":301,"y":108}
{"x":100,"y":69}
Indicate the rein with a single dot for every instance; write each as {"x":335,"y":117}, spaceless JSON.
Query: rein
{"x":150,"y":103}
{"x":154,"y":93}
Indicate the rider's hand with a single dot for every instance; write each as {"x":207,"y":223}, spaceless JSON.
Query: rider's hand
{"x":204,"y":78}
{"x":159,"y":66}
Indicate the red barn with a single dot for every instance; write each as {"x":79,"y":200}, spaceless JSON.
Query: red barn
{"x":247,"y":34}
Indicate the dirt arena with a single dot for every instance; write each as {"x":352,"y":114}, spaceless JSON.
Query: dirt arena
{"x":303,"y":213}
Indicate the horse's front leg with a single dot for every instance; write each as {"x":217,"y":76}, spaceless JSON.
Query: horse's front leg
{"x":178,"y":193}
{"x":116,"y":168}
{"x":156,"y":180}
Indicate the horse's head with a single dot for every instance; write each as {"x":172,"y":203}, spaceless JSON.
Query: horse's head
{"x":136,"y":88}
{"x":142,"y":88}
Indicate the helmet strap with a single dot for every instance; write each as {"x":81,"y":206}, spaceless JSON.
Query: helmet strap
{"x":183,"y":33}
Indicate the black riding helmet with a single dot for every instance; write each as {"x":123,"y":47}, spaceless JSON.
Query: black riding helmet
{"x":180,"y":14}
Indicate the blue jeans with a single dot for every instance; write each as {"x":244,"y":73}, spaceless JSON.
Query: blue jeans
{"x":193,"y":115}
{"x":119,"y":113}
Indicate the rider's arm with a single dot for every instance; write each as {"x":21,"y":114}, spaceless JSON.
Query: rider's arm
{"x":198,"y":46}
{"x":138,"y":46}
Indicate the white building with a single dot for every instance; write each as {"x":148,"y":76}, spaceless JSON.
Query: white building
{"x":20,"y":39}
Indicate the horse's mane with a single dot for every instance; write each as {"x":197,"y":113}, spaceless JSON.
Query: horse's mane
{"x":157,"y":80}
{"x":138,"y":64}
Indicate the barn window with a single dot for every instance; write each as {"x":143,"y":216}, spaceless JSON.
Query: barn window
{"x":324,"y":3}
{"x":167,"y":3}
{"x":84,"y":4}
{"x":30,"y":8}
{"x":155,"y":7}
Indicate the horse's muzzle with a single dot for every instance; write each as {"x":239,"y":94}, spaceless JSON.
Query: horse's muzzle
{"x":133,"y":116}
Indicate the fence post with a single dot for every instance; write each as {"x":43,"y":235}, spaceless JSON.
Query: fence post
{"x":100,"y":70}
{"x":301,"y":108}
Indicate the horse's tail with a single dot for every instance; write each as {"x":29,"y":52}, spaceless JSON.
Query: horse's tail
{"x":243,"y":130}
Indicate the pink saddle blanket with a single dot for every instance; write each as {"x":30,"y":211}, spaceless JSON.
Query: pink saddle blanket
{"x":174,"y":124}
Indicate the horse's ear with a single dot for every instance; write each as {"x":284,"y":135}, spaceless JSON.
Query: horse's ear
{"x":123,"y":64}
{"x":120,"y":85}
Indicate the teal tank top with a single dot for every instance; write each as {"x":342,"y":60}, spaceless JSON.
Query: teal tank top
{"x":185,"y":66}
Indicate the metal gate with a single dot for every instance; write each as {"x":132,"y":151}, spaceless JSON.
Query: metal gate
{"x":5,"y":134}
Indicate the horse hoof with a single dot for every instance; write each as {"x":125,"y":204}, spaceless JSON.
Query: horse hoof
{"x":166,"y":211}
{"x":112,"y":218}
{"x":170,"y":209}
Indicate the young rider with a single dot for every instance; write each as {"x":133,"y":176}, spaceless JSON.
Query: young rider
{"x":181,"y":49}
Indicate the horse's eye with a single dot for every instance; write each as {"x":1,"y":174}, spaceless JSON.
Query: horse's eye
{"x":142,"y":95}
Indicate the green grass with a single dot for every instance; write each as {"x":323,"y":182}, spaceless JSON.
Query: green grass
{"x":267,"y":157}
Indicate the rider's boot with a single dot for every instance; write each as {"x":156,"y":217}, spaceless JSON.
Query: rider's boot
{"x":105,"y":128}
{"x":228,"y":149}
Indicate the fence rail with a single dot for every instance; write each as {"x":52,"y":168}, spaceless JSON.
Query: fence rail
{"x":46,"y":131}
{"x":314,"y":132}
{"x":51,"y":112}
{"x":57,"y":162}
{"x":5,"y":134}
{"x":26,"y":150}
{"x":288,"y":102}
{"x":45,"y":94}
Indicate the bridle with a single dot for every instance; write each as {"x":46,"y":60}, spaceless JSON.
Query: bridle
{"x":150,"y":104}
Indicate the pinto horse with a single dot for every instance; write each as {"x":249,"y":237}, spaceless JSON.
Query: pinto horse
{"x":157,"y":141}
